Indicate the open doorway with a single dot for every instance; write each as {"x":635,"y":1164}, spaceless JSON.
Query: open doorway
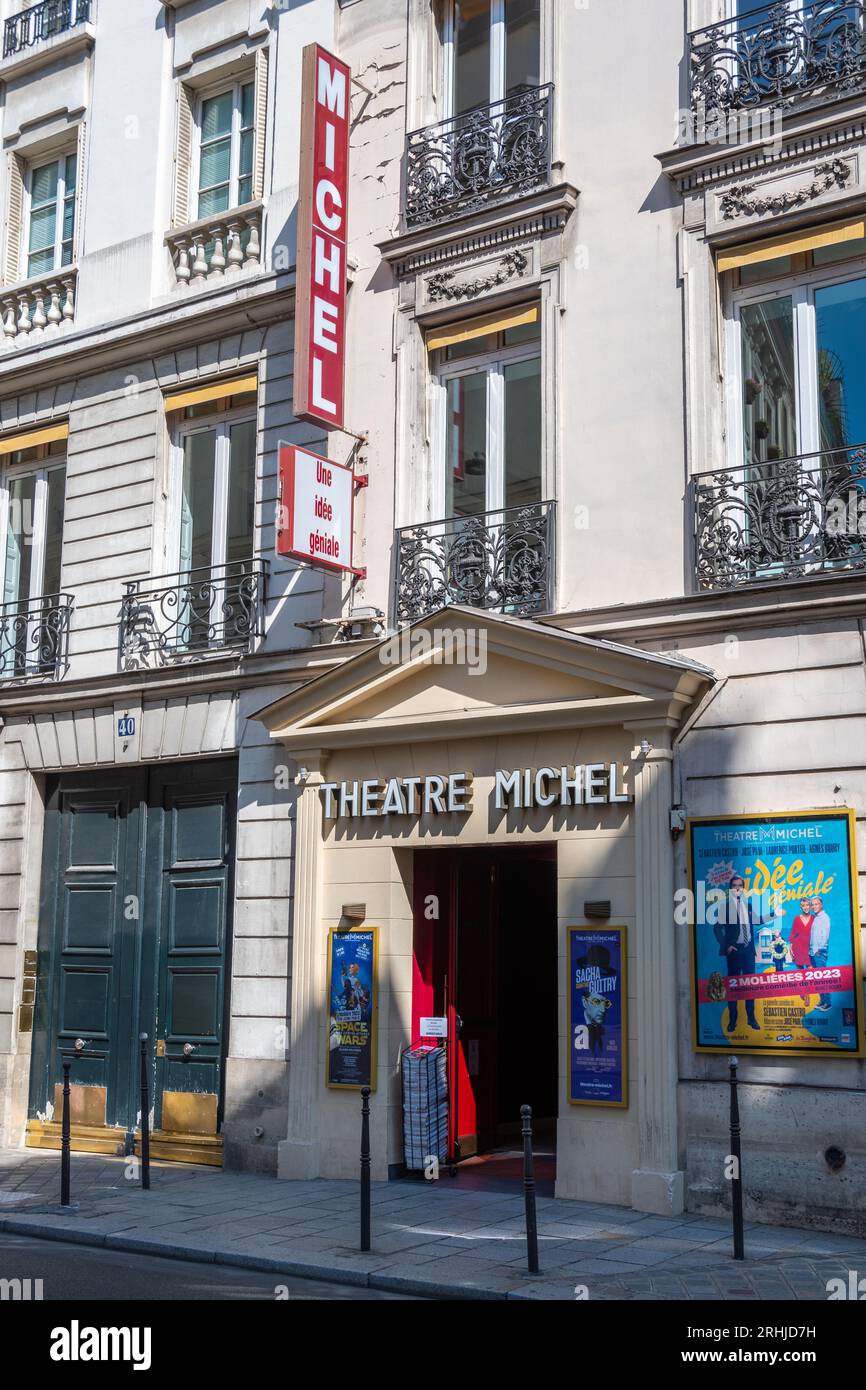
{"x":485,"y":959}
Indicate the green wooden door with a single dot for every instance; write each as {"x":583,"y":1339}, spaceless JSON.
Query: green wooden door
{"x":88,"y":946}
{"x":190,"y":850}
{"x":134,"y":938}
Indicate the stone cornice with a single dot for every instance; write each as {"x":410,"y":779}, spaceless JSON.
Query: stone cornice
{"x":817,"y":131}
{"x":533,"y":215}
{"x":183,"y":320}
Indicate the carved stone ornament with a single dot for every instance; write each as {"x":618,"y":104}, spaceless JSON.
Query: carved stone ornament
{"x":446,"y":285}
{"x":739,"y":202}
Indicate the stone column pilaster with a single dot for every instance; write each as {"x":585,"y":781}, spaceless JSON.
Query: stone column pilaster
{"x":298,"y":1153}
{"x":657,"y":1185}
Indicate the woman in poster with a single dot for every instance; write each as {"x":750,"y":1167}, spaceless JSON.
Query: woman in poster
{"x":801,"y":931}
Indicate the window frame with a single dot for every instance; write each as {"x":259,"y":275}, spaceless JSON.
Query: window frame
{"x":207,"y":94}
{"x":221,"y":422}
{"x":39,"y":468}
{"x":61,"y":158}
{"x":492,"y":365}
{"x":498,"y":57}
{"x":801,"y":286}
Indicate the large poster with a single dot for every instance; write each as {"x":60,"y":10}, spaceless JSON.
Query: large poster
{"x":598,"y":1031}
{"x":776,"y":934}
{"x":352,"y":983}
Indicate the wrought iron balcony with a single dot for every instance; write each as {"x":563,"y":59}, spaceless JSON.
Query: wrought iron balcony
{"x":502,"y":561}
{"x":192,"y":615}
{"x":41,"y":22}
{"x":479,"y":157}
{"x":779,"y":54}
{"x":34,"y":634}
{"x":787,"y":519}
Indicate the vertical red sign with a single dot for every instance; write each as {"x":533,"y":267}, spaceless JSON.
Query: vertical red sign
{"x":320,"y":314}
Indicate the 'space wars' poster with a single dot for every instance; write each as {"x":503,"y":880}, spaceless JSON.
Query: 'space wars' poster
{"x":352,"y":967}
{"x":598,"y":1029}
{"x":776,"y":934}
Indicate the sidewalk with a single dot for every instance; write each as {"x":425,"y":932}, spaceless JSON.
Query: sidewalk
{"x":431,"y":1239}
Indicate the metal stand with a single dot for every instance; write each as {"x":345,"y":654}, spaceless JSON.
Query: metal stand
{"x":145,"y":1117}
{"x":736,"y":1154}
{"x":365,"y":1168}
{"x":529,"y":1191}
{"x":65,"y":1140}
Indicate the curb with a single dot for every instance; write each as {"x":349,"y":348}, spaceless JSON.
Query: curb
{"x":298,"y":1269}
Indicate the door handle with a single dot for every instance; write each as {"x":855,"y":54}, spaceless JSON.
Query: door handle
{"x":188,"y":1049}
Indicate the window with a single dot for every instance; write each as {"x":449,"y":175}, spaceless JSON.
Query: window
{"x":215,"y":462}
{"x":51,"y":215}
{"x":493,"y":49}
{"x":795,"y":345}
{"x":487,"y":390}
{"x":226,"y":131}
{"x":32,"y":499}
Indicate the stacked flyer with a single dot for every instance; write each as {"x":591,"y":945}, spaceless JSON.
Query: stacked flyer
{"x":425,"y":1107}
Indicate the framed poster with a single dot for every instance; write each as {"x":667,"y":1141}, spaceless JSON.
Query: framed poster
{"x":597,"y":1016}
{"x":353,"y":979}
{"x":775,"y":934}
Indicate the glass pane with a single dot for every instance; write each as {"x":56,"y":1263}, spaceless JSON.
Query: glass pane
{"x":523,"y":333}
{"x":246,"y":159}
{"x":245,"y":194}
{"x":54,"y":530}
{"x":248,"y":93}
{"x":829,"y":255}
{"x":215,"y":200}
{"x":216,"y":116}
{"x":766,"y":270}
{"x":40,"y":262}
{"x":523,"y":433}
{"x":769,"y":383}
{"x":71,"y":170}
{"x":466,"y":445}
{"x":19,"y":539}
{"x":43,"y":222}
{"x":242,"y":491}
{"x":474,"y":347}
{"x":196,"y":542}
{"x":216,"y":163}
{"x":68,"y":217}
{"x":840,"y":311}
{"x":471,"y":54}
{"x":43,"y":184}
{"x":522,"y":44}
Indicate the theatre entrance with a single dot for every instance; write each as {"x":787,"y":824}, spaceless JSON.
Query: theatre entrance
{"x":485,"y":959}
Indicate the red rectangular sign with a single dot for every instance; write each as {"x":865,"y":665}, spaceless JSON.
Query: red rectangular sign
{"x":320,"y":312}
{"x":315,"y":518}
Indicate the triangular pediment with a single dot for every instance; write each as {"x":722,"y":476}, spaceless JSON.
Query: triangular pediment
{"x":461,"y":671}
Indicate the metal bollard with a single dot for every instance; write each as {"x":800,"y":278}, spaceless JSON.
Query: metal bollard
{"x":64,"y":1140}
{"x":736,"y":1154}
{"x":529,"y":1190}
{"x":365,"y":1168}
{"x":145,"y":1117}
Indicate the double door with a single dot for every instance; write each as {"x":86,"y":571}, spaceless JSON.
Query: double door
{"x":134,"y":937}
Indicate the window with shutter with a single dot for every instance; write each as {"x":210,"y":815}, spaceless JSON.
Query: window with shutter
{"x":181,"y":212}
{"x":14,"y":219}
{"x":261,"y":118}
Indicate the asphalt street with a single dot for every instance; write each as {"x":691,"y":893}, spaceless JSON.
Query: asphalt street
{"x":79,"y":1272}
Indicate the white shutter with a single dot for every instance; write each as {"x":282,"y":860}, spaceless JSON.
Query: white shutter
{"x":80,"y":185}
{"x":261,"y":119}
{"x":14,"y":228}
{"x":181,"y":210}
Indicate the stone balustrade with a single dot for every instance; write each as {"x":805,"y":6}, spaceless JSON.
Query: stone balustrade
{"x":226,"y":244}
{"x":41,"y":305}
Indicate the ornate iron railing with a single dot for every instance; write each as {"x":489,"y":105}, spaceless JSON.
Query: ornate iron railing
{"x":479,"y":157}
{"x":779,"y":54}
{"x":34,"y":635}
{"x":41,"y":22}
{"x":782,"y":520}
{"x":503,"y":561}
{"x":192,"y":615}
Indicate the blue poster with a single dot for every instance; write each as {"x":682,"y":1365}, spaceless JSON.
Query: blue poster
{"x":775,"y":923}
{"x":352,"y":969}
{"x":598,"y":1028}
